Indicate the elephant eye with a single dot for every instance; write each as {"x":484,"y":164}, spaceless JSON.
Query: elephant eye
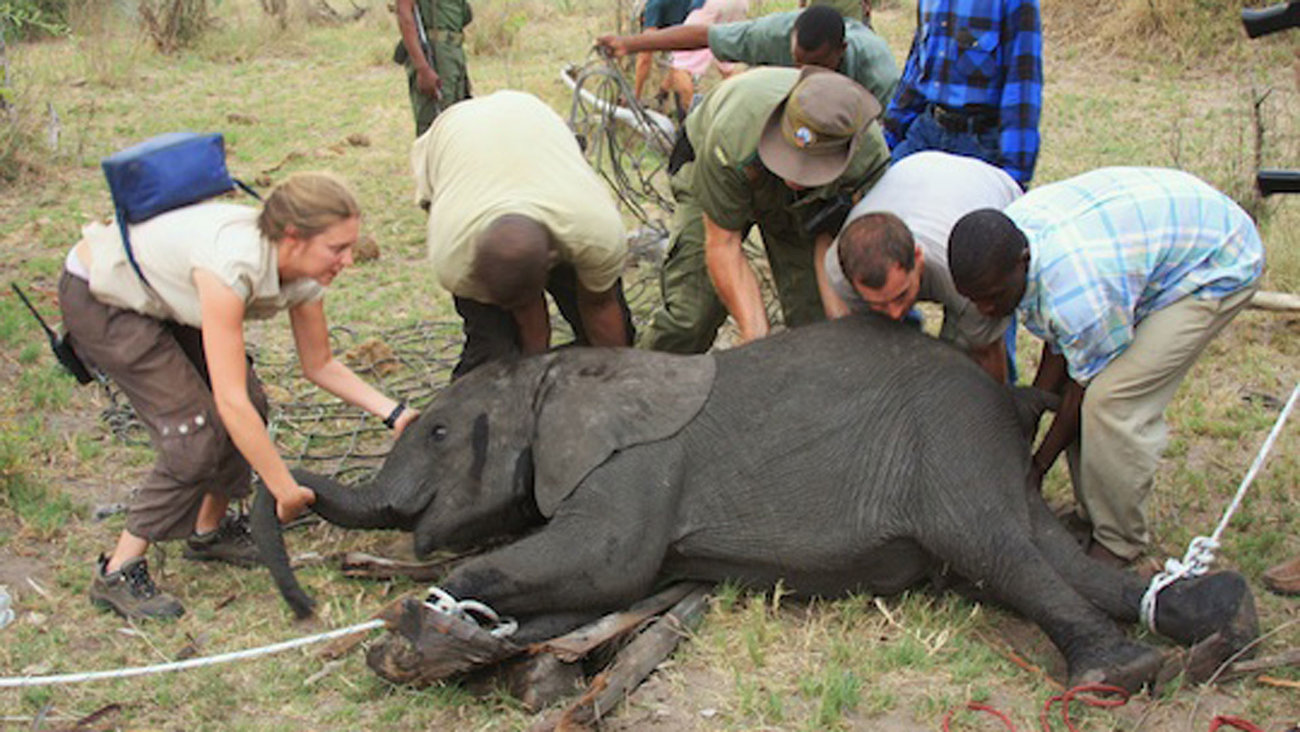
{"x":439,"y":433}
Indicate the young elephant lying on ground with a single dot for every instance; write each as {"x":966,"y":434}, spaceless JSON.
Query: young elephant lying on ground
{"x":854,"y":455}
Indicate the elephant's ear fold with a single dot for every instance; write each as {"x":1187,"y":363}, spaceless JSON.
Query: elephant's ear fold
{"x":593,"y":402}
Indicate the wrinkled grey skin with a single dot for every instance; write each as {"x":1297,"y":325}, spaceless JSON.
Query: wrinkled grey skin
{"x":854,"y":455}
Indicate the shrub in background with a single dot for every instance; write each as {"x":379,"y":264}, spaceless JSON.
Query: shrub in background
{"x":174,"y":24}
{"x":26,"y":19}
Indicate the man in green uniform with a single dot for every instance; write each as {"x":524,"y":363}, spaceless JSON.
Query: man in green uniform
{"x":783,"y":149}
{"x":817,"y":36}
{"x":437,"y":83}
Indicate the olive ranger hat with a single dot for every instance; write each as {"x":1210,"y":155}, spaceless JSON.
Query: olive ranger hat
{"x":812,"y":134}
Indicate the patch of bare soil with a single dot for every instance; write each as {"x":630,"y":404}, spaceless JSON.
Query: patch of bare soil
{"x":18,"y":564}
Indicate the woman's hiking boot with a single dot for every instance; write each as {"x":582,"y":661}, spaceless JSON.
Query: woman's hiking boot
{"x":230,"y":542}
{"x":130,"y":592}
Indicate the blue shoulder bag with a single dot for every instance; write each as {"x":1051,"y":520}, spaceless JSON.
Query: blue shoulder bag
{"x":163,"y":173}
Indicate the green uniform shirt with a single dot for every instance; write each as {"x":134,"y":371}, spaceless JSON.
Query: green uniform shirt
{"x":727,"y":177}
{"x":448,"y":15}
{"x":765,"y":41}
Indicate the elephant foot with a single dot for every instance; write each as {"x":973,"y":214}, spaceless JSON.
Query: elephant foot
{"x":1193,"y":610}
{"x":1129,"y":666}
{"x":427,"y":646}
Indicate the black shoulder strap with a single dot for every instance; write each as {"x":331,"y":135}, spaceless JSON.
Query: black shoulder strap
{"x":126,"y":244}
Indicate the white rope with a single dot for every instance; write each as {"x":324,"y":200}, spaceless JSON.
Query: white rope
{"x":122,"y":673}
{"x":1200,"y":551}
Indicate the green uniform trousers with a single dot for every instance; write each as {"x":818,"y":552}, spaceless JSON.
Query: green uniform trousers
{"x":449,"y":62}
{"x":688,"y":319}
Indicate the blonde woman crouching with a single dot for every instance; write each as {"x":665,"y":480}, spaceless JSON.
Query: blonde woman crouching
{"x":175,"y":347}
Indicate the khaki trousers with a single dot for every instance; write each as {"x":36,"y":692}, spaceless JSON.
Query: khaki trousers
{"x":1123,"y":431}
{"x":160,"y":367}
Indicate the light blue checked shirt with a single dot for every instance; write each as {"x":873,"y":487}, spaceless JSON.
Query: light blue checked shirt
{"x":1111,"y":246}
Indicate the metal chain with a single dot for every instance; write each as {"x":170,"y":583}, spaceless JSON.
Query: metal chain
{"x":441,"y":601}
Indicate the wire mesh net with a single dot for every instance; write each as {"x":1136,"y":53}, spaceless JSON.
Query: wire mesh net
{"x":625,"y":142}
{"x":412,"y":362}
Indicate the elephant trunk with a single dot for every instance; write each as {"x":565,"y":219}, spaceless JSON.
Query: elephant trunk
{"x":265,"y":527}
{"x":351,"y":508}
{"x":363,"y":507}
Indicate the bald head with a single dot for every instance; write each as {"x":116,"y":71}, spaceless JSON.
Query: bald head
{"x":512,"y":260}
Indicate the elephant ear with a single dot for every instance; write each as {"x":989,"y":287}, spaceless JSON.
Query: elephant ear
{"x":594,"y":402}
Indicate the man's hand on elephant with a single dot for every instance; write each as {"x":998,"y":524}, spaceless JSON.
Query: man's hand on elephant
{"x":428,"y":82}
{"x":291,"y":504}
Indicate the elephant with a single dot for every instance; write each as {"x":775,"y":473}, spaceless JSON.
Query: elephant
{"x":854,"y":455}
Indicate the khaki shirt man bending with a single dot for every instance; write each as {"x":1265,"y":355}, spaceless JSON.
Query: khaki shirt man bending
{"x":514,"y":212}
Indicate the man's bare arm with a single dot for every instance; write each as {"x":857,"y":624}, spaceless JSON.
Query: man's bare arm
{"x":831,"y":302}
{"x":675,"y":38}
{"x":734,"y":279}
{"x":992,"y":358}
{"x":534,"y":325}
{"x":426,"y":78}
{"x":602,"y":317}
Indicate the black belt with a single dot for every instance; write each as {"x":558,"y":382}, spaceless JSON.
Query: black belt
{"x":963,"y":121}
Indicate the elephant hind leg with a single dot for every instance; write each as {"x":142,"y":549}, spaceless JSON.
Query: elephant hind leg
{"x":1007,"y":564}
{"x":1187,"y":611}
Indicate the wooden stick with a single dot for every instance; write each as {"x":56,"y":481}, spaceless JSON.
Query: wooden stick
{"x":1282,"y":302}
{"x":369,"y":566}
{"x":1242,"y":668}
{"x":577,"y":644}
{"x":340,"y":646}
{"x":635,"y":663}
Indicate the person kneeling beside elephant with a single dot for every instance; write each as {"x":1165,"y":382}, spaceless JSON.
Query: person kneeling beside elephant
{"x":515,"y":212}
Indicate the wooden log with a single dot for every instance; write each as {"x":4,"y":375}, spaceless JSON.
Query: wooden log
{"x":576,"y":644}
{"x":1281,"y":302}
{"x":1267,"y":663}
{"x":340,"y":646}
{"x":634,"y":663}
{"x":368,"y":566}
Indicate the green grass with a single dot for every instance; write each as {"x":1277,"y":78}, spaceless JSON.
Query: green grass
{"x":287,"y":100}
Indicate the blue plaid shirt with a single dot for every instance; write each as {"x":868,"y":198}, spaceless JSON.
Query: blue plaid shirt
{"x":977,"y":52}
{"x":1108,"y":248}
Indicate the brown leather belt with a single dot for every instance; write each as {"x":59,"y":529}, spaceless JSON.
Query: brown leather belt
{"x":962,"y":121}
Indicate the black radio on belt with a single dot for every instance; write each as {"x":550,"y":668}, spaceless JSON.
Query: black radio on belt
{"x":972,"y":118}
{"x":62,"y":349}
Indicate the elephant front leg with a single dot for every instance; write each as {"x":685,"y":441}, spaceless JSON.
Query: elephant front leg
{"x":602,"y":550}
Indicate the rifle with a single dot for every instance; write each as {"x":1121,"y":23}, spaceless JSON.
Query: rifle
{"x":430,"y":53}
{"x":400,"y":54}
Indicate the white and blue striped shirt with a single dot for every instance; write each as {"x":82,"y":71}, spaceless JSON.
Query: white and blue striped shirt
{"x":1111,"y":246}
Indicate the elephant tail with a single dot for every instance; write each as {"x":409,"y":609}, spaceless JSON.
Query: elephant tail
{"x":1030,"y":404}
{"x":267,"y":535}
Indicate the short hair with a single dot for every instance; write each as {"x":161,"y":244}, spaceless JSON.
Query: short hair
{"x":984,"y":243}
{"x":870,"y":245}
{"x":512,"y":259}
{"x":307,"y":202}
{"x":818,"y":25}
